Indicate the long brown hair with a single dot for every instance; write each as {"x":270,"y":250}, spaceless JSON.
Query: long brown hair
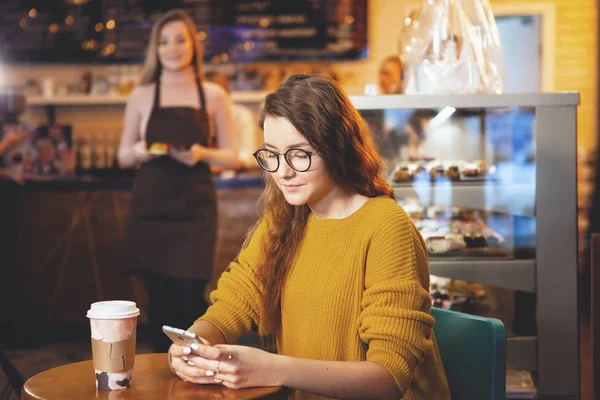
{"x":152,"y":67}
{"x":321,"y":111}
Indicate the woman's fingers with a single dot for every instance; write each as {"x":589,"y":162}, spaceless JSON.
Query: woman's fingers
{"x":202,"y":365}
{"x":178,"y":351}
{"x":190,"y":372}
{"x":204,"y":380}
{"x":209,"y":352}
{"x":184,"y":159}
{"x":209,"y":365}
{"x":228,"y":379}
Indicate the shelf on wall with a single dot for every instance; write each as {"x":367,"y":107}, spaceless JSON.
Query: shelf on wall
{"x":76,"y":100}
{"x":508,"y":198}
{"x":254,"y":96}
{"x":510,"y":273}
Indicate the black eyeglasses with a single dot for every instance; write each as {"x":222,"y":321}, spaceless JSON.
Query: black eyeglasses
{"x":298,"y":159}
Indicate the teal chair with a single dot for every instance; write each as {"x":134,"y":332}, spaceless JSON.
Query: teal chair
{"x":473,"y":351}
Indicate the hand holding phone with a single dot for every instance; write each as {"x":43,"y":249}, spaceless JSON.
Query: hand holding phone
{"x":182,"y":337}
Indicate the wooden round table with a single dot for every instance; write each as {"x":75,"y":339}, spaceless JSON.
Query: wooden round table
{"x":152,"y":379}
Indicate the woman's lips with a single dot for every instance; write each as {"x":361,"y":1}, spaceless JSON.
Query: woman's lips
{"x":291,"y":188}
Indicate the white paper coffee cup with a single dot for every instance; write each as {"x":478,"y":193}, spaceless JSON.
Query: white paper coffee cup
{"x":113,"y":327}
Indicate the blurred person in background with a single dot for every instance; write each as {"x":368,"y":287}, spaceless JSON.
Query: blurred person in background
{"x":390,"y":76}
{"x":170,"y":119}
{"x":390,"y":139}
{"x":245,"y":126}
{"x":9,"y":139}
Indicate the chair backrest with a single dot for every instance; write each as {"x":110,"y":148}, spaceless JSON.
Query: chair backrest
{"x":473,"y":351}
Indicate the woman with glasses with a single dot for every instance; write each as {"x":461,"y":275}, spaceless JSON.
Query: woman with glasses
{"x":334,"y":270}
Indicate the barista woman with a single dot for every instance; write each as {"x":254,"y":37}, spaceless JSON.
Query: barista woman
{"x":170,"y":121}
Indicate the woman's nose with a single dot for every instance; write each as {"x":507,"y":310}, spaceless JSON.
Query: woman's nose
{"x":284,"y":170}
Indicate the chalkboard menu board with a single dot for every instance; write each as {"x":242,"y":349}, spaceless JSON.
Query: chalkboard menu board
{"x":231,"y":30}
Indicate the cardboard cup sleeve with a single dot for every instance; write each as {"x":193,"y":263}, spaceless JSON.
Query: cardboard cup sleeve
{"x":113,"y":356}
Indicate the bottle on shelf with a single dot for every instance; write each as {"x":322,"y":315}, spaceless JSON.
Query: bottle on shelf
{"x":99,"y":152}
{"x":112,"y":144}
{"x":84,"y":157}
{"x":113,"y":79}
{"x":125,"y":82}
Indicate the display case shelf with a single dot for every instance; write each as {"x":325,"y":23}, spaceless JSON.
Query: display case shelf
{"x":516,"y":199}
{"x":510,"y":273}
{"x":472,"y":101}
{"x":521,"y":352}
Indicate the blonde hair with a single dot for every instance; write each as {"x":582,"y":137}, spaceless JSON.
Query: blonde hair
{"x":152,"y":67}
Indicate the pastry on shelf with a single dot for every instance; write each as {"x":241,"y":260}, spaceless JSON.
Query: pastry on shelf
{"x":452,"y":172}
{"x":470,"y":170}
{"x":468,"y":227}
{"x":474,"y":169}
{"x":482,"y":166}
{"x":475,"y":241}
{"x":407,"y":171}
{"x":436,"y":171}
{"x":445,"y":244}
{"x":402,"y":174}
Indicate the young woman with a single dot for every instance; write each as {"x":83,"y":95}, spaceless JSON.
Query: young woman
{"x":335,"y":269}
{"x":170,"y":232}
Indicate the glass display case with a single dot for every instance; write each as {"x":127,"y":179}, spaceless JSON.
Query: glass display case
{"x":490,"y":181}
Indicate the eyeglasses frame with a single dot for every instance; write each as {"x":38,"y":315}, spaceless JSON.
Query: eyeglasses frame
{"x":309,"y":153}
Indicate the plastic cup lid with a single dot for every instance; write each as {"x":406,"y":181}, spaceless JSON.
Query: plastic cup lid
{"x":114,"y":309}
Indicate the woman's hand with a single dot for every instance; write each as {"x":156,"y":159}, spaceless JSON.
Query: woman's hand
{"x":185,"y":369}
{"x":140,"y":151}
{"x":195,"y":154}
{"x":235,"y":367}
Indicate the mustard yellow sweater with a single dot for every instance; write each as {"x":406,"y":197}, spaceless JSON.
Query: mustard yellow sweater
{"x":357,"y":291}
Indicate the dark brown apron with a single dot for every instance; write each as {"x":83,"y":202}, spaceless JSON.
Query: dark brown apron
{"x":172,"y":223}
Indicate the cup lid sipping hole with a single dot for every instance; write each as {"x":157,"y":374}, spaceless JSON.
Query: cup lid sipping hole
{"x":113,"y":309}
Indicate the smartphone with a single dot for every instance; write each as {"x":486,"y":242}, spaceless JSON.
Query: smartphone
{"x":181,"y":337}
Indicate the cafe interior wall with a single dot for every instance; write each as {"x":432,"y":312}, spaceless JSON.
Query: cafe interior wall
{"x":573,"y":42}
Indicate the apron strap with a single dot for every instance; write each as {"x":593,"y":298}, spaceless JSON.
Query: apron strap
{"x":203,"y":104}
{"x":204,"y":109}
{"x":157,"y":94}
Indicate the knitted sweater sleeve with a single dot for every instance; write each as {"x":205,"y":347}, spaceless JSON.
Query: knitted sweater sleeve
{"x":395,"y":321}
{"x":236,"y":302}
